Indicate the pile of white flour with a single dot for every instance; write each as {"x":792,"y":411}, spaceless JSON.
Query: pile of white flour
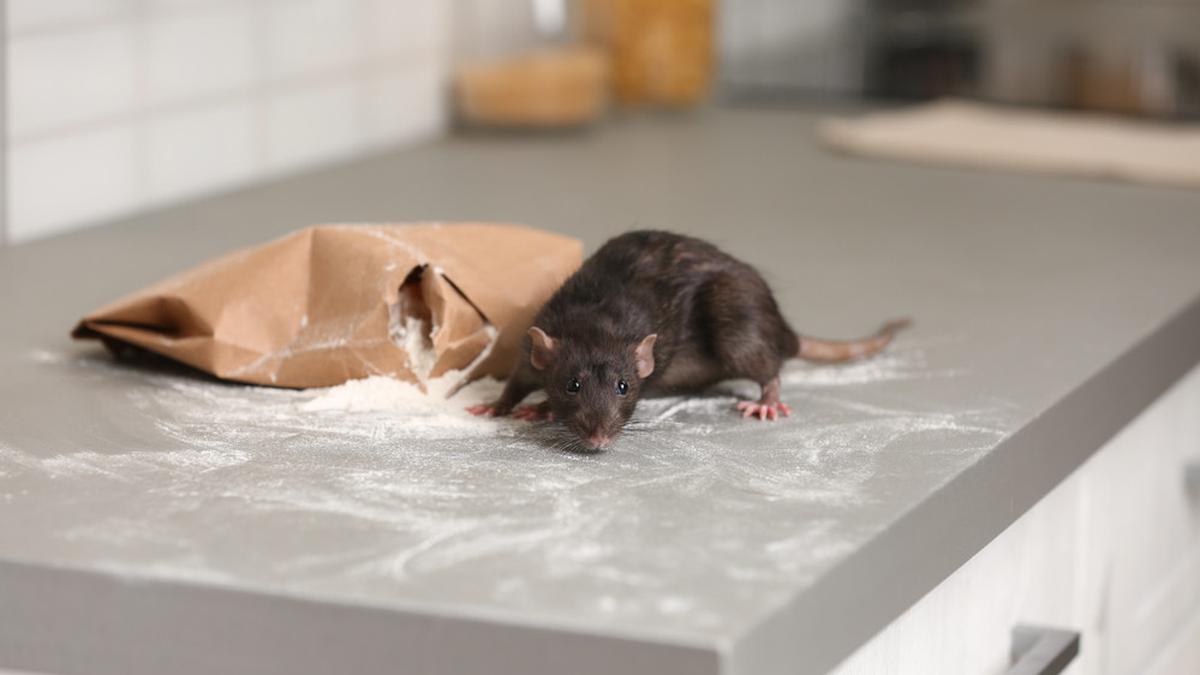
{"x":425,"y":412}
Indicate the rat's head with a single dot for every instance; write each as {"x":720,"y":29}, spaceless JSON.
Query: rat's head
{"x":592,"y":388}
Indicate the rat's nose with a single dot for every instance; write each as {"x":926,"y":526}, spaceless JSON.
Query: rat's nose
{"x":598,"y":440}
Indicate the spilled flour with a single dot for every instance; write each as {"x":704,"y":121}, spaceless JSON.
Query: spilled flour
{"x":426,"y":413}
{"x":385,"y":393}
{"x":695,"y":523}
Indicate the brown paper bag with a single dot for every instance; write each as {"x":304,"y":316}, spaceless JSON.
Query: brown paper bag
{"x":333,"y":303}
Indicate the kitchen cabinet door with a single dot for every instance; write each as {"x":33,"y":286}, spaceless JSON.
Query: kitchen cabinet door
{"x":1113,"y":552}
{"x":1181,"y":656}
{"x":1141,"y":542}
{"x":964,"y":626}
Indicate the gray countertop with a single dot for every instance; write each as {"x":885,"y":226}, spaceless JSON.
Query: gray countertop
{"x":153,"y":520}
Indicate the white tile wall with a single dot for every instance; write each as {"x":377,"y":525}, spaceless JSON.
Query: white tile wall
{"x":313,"y":36}
{"x":197,"y":151}
{"x":59,"y":182}
{"x":313,"y":122}
{"x":404,"y":103}
{"x":34,"y":15}
{"x":119,"y":105}
{"x":195,"y":54}
{"x":398,"y":27}
{"x":57,"y":80}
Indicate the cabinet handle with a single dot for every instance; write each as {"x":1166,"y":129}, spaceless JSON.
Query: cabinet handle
{"x":1038,"y":650}
{"x":1191,"y":479}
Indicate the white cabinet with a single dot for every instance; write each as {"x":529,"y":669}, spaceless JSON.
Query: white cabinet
{"x":1182,"y":655}
{"x":1112,"y":552}
{"x":1140,"y":540}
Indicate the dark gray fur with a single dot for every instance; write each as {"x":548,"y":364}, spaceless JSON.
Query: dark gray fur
{"x":714,"y":316}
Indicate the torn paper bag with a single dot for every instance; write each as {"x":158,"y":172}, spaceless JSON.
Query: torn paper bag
{"x":333,"y":303}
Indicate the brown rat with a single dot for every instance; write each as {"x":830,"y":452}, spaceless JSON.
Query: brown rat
{"x":654,"y":312}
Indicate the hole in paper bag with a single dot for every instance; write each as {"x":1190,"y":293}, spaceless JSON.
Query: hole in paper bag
{"x":443,"y":334}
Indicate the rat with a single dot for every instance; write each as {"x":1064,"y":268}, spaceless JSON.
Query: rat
{"x":653,"y":312}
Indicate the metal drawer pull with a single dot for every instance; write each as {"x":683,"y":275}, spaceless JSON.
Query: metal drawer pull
{"x":1191,"y":479}
{"x":1037,"y":650}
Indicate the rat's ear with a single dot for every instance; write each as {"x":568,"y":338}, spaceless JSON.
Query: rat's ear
{"x":644,"y":354}
{"x":542,"y":348}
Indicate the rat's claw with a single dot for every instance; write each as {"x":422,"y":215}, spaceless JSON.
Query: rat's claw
{"x":483,"y":410}
{"x":763,"y":411}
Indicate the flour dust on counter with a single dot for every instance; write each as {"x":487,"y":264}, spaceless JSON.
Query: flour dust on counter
{"x":374,"y":491}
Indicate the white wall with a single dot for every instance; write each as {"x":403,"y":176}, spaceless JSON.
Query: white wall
{"x":117,"y":105}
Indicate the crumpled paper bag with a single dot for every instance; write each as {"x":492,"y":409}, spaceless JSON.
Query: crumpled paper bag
{"x":333,"y":303}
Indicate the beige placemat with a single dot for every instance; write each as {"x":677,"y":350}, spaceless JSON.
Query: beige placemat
{"x":982,"y":135}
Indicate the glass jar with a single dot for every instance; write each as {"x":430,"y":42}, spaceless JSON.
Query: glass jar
{"x":660,"y":51}
{"x":520,"y":63}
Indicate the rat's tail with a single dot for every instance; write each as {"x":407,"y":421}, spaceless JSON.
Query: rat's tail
{"x":834,"y":351}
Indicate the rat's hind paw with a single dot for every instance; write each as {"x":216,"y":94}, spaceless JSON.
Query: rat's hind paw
{"x":764,"y":411}
{"x":482,"y":410}
{"x":533,"y":413}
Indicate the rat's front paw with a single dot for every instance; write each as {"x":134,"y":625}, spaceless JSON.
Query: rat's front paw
{"x":482,"y":410}
{"x":764,"y":411}
{"x":534,"y":413}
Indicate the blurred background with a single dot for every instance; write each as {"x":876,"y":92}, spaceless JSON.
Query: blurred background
{"x":1124,"y":56}
{"x":115,"y":106}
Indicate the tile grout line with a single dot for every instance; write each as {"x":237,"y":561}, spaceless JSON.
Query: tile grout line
{"x":401,"y":61}
{"x":123,"y":16}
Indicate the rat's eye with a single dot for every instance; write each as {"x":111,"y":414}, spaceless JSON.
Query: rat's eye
{"x":622,"y":388}
{"x":573,"y":386}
